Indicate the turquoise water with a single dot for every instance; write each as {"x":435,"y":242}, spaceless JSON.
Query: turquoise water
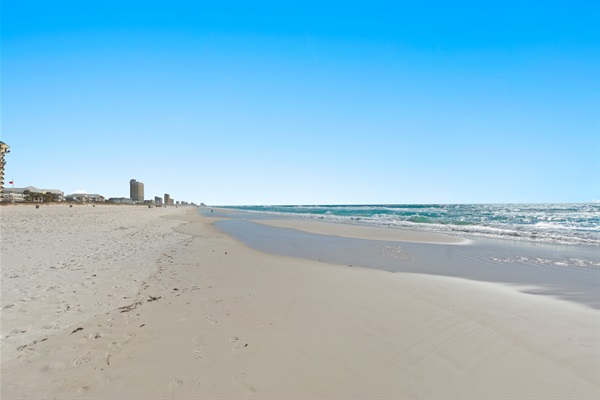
{"x":558,"y":223}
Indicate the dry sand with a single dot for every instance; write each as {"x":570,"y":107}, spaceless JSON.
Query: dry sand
{"x":63,"y":265}
{"x":196,"y":314}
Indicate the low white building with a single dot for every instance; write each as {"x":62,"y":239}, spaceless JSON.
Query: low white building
{"x":58,"y":195}
{"x":32,"y":193}
{"x":85,"y":197}
{"x":10,"y":197}
{"x":120,"y":200}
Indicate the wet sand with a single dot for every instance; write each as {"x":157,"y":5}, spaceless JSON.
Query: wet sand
{"x":364,"y":232}
{"x":566,"y":272}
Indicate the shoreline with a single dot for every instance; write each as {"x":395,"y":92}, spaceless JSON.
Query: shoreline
{"x":561,"y":271}
{"x":514,"y":225}
{"x":366,"y":232}
{"x":218,"y":319}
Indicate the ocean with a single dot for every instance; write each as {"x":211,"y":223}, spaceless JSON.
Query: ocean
{"x":551,"y":223}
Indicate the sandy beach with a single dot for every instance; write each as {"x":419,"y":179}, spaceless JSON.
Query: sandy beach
{"x":131,"y":302}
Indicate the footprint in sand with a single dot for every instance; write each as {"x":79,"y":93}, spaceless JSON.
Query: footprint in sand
{"x":242,"y":379}
{"x":83,"y":389}
{"x":199,"y":344}
{"x":174,"y":384}
{"x":83,"y":359}
{"x":235,"y":342}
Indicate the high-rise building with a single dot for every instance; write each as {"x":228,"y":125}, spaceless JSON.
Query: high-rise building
{"x":167,"y":199}
{"x":133,"y":189}
{"x":3,"y":150}
{"x":141,"y":192}
{"x":158,"y":201}
{"x":136,"y":191}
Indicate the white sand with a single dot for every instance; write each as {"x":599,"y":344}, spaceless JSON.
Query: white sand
{"x":229,"y":322}
{"x":62,"y":265}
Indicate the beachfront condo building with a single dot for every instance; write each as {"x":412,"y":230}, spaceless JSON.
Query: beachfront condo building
{"x":4,"y":148}
{"x":136,"y":191}
{"x":167,"y":198}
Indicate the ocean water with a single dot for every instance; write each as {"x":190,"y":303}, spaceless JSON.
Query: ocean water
{"x":554,"y":223}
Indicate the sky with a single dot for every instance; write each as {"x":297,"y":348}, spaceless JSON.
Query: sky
{"x":304,"y":102}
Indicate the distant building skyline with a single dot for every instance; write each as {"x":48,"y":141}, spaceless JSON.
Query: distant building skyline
{"x":33,"y":194}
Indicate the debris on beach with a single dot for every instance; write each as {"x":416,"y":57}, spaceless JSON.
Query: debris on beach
{"x":130,"y":307}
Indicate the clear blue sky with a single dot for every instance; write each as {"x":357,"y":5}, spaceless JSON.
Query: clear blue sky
{"x":305,"y":102}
